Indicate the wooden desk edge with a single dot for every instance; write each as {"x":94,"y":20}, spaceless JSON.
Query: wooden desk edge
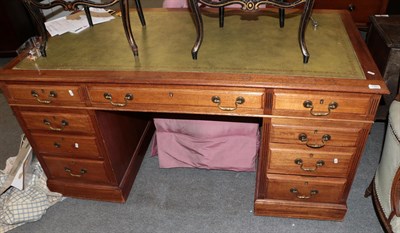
{"x":373,"y":77}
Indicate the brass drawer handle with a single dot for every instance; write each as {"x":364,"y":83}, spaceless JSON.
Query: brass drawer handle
{"x":64,"y":123}
{"x":57,"y":145}
{"x":318,"y":164}
{"x":127,"y":97}
{"x":52,"y":95}
{"x":296,"y":193}
{"x":217,"y":100}
{"x":309,"y":104}
{"x":69,"y":171}
{"x":325,"y":138}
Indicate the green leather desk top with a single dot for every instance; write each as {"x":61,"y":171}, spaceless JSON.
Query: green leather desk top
{"x":247,"y":44}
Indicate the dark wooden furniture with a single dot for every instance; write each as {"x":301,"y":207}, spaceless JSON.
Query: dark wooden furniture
{"x":360,"y":10}
{"x":383,"y":41}
{"x":393,"y":7}
{"x":89,"y":117}
{"x":15,"y":27}
{"x":34,"y":5}
{"x":251,"y":6}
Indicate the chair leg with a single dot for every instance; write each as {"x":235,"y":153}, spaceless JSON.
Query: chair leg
{"x":124,"y":5}
{"x":194,"y":7}
{"x":385,"y":222}
{"x":88,"y":16}
{"x":368,"y":191}
{"x":221,"y":16}
{"x":281,"y":17}
{"x":305,"y":17}
{"x":140,"y":12}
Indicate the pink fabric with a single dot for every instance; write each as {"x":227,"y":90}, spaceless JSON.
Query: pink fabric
{"x":206,"y":144}
{"x":175,"y":4}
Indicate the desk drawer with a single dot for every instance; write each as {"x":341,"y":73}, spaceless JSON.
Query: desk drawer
{"x":46,"y":95}
{"x":323,"y":104}
{"x":58,"y":122}
{"x":297,"y":160}
{"x":65,"y":145}
{"x":76,"y":169}
{"x":315,"y":134}
{"x":197,"y":99}
{"x":299,"y":188}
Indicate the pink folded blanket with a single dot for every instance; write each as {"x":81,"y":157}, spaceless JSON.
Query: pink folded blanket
{"x":206,"y":144}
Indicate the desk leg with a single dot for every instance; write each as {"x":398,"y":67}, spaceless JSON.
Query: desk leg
{"x":305,"y":17}
{"x":194,"y":7}
{"x":140,"y":12}
{"x":281,"y":17}
{"x":124,"y":5}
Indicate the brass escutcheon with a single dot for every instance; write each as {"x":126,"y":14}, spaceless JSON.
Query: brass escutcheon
{"x":56,"y":145}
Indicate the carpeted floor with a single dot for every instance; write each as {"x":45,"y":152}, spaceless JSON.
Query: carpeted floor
{"x":10,"y":131}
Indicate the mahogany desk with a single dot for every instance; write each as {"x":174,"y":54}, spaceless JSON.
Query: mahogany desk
{"x":87,"y":107}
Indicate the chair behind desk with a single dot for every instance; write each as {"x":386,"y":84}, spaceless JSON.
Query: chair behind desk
{"x":385,"y":187}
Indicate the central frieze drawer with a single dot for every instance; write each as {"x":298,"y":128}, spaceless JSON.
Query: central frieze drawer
{"x":323,"y":104}
{"x":302,"y":188}
{"x":315,"y":134}
{"x":76,"y":169}
{"x":141,"y":97}
{"x":297,"y":160}
{"x":50,"y":95}
{"x":66,"y":145}
{"x":58,"y":122}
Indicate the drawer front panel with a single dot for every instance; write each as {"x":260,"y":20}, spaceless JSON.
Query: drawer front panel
{"x":297,"y":160}
{"x":77,"y":170}
{"x":315,"y":134}
{"x":46,"y":95}
{"x":235,"y":100}
{"x":321,"y":104}
{"x":58,"y":122}
{"x":301,"y":188}
{"x":69,"y":146}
